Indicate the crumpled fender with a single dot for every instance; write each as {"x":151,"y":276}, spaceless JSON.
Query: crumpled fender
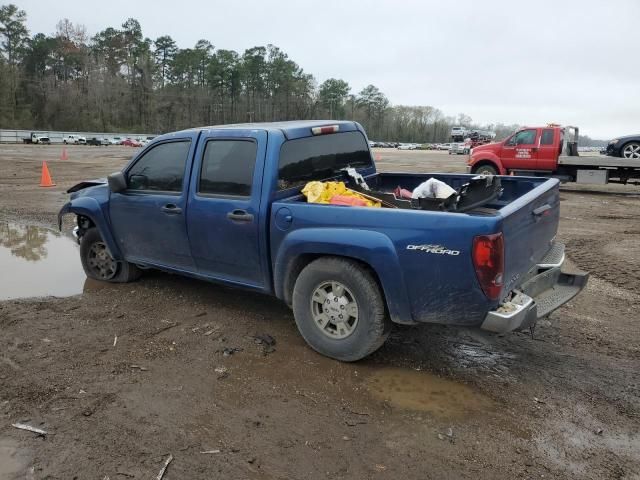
{"x":373,"y":248}
{"x":89,"y":207}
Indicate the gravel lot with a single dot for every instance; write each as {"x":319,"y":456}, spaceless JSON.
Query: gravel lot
{"x":121,"y":376}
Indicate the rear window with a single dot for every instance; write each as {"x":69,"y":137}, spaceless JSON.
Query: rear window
{"x":547,"y":137}
{"x":321,"y":157}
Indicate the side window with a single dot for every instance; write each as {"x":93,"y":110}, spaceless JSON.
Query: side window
{"x":161,"y":168}
{"x":227,"y":167}
{"x":525,"y":137}
{"x":547,"y":137}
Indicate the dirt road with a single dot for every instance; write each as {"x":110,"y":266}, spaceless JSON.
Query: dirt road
{"x":121,"y":376}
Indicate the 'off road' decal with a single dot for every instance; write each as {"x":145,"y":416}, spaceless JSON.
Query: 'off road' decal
{"x":435,"y":249}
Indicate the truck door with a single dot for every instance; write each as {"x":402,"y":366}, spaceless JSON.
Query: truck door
{"x":548,"y":150}
{"x":148,"y":218}
{"x":520,"y":150}
{"x":224,"y":205}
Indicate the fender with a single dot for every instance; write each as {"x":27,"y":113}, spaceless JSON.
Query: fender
{"x":373,"y":248}
{"x":89,"y":207}
{"x":484,"y":156}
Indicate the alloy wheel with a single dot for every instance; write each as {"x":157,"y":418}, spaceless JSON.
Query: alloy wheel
{"x":334,"y":310}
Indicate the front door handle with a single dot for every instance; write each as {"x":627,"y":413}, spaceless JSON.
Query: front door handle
{"x":172,"y":209}
{"x":240,"y":216}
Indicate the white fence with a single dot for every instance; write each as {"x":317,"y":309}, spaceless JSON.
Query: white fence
{"x":17,"y":136}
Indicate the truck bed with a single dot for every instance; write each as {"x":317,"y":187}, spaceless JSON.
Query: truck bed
{"x":440,"y":286}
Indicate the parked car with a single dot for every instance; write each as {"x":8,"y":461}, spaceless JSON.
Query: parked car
{"x":37,"y":138}
{"x":74,"y":140}
{"x":443,"y":146}
{"x":459,"y":132}
{"x":224,"y":204}
{"x":459,"y":148}
{"x":407,"y":146}
{"x":97,"y":141}
{"x":131,"y":143}
{"x":625,"y":147}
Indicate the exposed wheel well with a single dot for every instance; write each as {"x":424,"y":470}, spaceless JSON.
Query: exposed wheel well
{"x":298,"y":264}
{"x":84,"y":223}
{"x":482,"y":163}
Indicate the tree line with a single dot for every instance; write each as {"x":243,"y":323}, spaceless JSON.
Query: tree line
{"x":120,"y":80}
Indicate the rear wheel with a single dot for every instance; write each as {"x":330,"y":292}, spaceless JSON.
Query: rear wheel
{"x":339,"y":309}
{"x":486,"y":170}
{"x":100,"y":265}
{"x":631,"y":150}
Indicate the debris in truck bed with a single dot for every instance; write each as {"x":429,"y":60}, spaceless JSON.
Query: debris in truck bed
{"x":323,"y":192}
{"x":433,"y":188}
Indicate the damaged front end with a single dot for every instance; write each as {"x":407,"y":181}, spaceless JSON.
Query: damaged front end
{"x":88,"y":201}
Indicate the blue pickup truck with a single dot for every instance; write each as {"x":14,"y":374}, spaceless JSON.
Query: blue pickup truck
{"x":224,"y":204}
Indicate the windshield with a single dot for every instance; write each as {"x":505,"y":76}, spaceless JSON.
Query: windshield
{"x":321,"y":157}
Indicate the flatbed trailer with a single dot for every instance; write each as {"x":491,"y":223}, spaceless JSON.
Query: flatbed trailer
{"x":597,"y":161}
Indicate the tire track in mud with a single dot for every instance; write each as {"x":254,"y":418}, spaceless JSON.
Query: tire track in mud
{"x":608,"y":259}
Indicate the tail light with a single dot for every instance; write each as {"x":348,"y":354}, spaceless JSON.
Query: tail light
{"x":488,"y":260}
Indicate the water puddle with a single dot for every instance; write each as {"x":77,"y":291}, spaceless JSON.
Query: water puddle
{"x":422,"y":391}
{"x":13,"y":465}
{"x":38,"y":262}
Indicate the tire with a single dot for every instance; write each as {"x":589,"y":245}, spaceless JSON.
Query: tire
{"x":486,"y":170}
{"x":631,"y":151}
{"x":366,"y":331}
{"x":98,"y":263}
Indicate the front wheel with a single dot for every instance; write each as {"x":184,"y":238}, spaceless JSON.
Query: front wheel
{"x":98,"y":263}
{"x":339,"y":309}
{"x":631,"y":150}
{"x":486,"y":170}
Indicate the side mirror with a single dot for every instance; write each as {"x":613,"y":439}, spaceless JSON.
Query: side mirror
{"x":117,"y":182}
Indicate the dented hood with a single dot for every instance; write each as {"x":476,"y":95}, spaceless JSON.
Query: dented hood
{"x":87,"y":184}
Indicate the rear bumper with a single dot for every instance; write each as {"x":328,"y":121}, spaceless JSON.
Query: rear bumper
{"x":546,"y":290}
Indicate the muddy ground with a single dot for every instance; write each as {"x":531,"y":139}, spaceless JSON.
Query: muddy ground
{"x":186,"y":373}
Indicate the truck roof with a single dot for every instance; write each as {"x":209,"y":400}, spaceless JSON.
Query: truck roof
{"x":291,"y":129}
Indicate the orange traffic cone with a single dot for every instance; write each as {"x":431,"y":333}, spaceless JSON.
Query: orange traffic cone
{"x":45,"y":179}
{"x":64,"y":155}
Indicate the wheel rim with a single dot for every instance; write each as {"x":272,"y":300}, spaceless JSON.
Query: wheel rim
{"x":100,"y":261}
{"x":631,"y":151}
{"x":485,"y":171}
{"x":334,"y":310}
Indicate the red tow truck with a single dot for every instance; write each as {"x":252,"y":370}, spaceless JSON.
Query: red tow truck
{"x":550,"y":151}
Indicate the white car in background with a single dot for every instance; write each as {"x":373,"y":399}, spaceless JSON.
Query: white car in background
{"x":459,"y":148}
{"x":444,"y":146}
{"x":459,"y":131}
{"x":407,"y":146}
{"x":116,"y":140}
{"x":74,"y":140}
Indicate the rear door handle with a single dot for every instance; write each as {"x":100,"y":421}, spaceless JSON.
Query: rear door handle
{"x":240,"y":216}
{"x":172,"y":209}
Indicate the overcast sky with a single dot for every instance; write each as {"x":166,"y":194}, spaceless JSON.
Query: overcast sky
{"x":572,"y":62}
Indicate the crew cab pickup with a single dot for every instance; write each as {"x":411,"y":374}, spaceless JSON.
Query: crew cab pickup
{"x":36,"y":138}
{"x":224,"y":204}
{"x":547,"y":151}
